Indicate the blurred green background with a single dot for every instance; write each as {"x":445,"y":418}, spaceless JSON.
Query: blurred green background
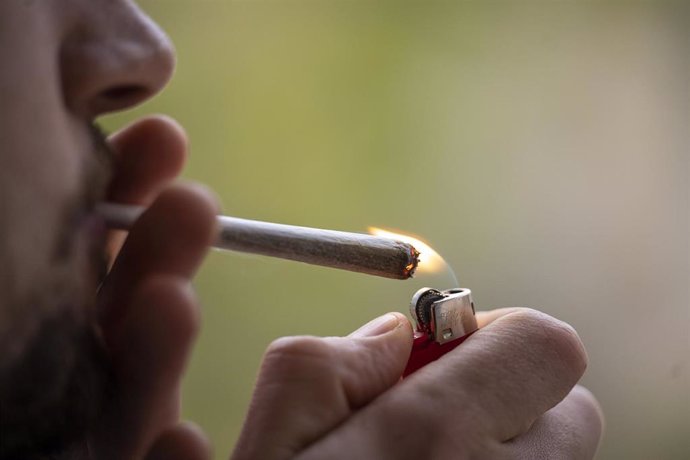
{"x":541,"y":148}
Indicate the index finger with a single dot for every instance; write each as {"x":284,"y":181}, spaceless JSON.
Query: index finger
{"x":148,"y":155}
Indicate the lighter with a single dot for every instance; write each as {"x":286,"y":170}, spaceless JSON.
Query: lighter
{"x":443,"y":320}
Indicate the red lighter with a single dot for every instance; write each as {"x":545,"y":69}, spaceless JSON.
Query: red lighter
{"x":443,"y":320}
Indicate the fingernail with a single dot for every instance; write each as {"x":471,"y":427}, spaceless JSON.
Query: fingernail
{"x":378,"y":326}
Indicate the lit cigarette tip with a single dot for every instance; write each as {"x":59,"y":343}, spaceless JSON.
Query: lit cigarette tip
{"x":411,"y":267}
{"x":426,"y":259}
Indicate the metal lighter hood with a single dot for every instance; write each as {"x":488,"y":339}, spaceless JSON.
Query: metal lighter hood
{"x":443,"y":315}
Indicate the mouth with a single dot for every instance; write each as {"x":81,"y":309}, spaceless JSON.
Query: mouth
{"x":83,"y":235}
{"x":92,"y":227}
{"x":94,"y":231}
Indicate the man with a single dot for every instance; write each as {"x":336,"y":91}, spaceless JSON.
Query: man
{"x":97,"y":376}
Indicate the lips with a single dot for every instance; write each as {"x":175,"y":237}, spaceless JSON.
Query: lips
{"x":89,"y":227}
{"x":93,"y":226}
{"x":93,"y":234}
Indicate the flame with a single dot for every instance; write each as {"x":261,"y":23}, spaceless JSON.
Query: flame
{"x":430,"y":261}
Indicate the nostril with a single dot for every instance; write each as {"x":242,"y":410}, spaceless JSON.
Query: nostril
{"x":125,"y":93}
{"x":118,"y":97}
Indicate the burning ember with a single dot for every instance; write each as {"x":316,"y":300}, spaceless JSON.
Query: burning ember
{"x":430,"y":261}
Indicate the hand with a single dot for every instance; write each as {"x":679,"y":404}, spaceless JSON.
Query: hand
{"x":148,"y":313}
{"x":507,"y":392}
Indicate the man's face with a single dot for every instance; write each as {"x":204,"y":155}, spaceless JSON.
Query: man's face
{"x":63,"y":64}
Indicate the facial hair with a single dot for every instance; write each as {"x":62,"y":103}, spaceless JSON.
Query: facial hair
{"x":53,"y":392}
{"x":51,"y":396}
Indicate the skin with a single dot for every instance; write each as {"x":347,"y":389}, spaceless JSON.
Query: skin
{"x":110,"y":359}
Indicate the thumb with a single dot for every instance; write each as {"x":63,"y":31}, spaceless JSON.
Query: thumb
{"x":309,"y":385}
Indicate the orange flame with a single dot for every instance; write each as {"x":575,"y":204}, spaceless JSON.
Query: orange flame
{"x":430,"y":261}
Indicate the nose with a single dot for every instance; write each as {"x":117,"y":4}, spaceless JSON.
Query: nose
{"x":112,"y":58}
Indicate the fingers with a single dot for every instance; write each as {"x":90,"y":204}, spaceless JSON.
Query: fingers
{"x":182,"y":442}
{"x":171,"y":238}
{"x":149,"y":358}
{"x":488,"y":390}
{"x":147,"y":311}
{"x":484,"y":318}
{"x":520,"y":365}
{"x":148,"y":154}
{"x":570,"y":431}
{"x":308,"y":385}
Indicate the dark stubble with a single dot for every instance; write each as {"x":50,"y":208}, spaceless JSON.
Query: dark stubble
{"x":53,"y":392}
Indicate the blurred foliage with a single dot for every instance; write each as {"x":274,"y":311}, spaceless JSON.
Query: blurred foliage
{"x":540,"y":148}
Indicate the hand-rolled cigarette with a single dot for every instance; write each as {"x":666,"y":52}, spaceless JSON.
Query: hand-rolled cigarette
{"x":357,"y":252}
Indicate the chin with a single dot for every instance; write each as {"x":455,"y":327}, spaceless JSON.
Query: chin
{"x":53,"y":391}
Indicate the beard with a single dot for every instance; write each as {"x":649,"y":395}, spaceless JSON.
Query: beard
{"x":54,"y":389}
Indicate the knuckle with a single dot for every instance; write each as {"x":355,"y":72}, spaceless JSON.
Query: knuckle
{"x":556,"y":336}
{"x":297,"y":353}
{"x":569,"y":347}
